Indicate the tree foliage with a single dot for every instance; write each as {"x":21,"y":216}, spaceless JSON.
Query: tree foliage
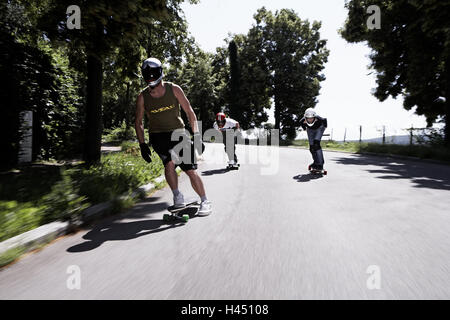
{"x":296,"y":56}
{"x":410,"y":53}
{"x":39,"y":80}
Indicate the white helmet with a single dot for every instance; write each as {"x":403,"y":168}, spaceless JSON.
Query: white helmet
{"x":310,"y":113}
{"x":152,"y":71}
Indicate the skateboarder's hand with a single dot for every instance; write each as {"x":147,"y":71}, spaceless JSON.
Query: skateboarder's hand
{"x":145,"y":152}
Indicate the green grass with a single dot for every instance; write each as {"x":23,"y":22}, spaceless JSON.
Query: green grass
{"x":34,"y":196}
{"x":331,"y":145}
{"x":419,"y":151}
{"x":10,"y":256}
{"x":118,"y":134}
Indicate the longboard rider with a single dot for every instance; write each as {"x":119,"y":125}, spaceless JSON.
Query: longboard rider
{"x":223,"y":124}
{"x":162,"y":102}
{"x":315,"y":127}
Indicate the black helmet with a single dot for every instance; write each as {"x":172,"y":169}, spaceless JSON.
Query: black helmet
{"x":152,"y":71}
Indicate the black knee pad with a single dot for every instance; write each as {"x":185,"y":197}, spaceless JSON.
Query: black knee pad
{"x":315,"y":146}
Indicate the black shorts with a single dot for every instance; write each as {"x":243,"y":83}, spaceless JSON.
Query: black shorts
{"x":162,"y":144}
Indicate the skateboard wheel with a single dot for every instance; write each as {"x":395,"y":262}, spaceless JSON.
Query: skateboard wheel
{"x":166,"y":217}
{"x":185,"y":217}
{"x":325,"y":172}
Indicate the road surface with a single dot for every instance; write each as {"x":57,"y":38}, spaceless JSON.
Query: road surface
{"x":374,"y":228}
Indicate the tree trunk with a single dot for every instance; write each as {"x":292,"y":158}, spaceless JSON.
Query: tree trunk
{"x":127,"y":108}
{"x":235,"y":79}
{"x":277,"y":106}
{"x":92,"y":150}
{"x":277,"y":115}
{"x":447,"y":105}
{"x":447,"y":121}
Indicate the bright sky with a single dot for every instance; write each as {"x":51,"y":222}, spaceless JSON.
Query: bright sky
{"x":345,"y":98}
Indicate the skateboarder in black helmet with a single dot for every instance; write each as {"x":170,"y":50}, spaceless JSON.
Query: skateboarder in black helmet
{"x":315,"y":127}
{"x":162,"y":102}
{"x":223,"y":124}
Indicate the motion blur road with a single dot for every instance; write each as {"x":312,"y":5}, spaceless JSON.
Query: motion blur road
{"x":276,"y":233}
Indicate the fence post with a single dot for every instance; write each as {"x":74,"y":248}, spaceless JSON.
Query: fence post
{"x":384,"y":134}
{"x":345,"y":134}
{"x":360,"y":134}
{"x":411,"y":135}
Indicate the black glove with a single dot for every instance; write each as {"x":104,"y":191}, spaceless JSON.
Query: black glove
{"x":145,"y":152}
{"x":198,"y":143}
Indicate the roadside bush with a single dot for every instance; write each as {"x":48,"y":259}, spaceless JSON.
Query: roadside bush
{"x":76,"y":189}
{"x":116,"y":174}
{"x":121,"y":133}
{"x":419,"y":151}
{"x":16,"y":218}
{"x":64,"y":201}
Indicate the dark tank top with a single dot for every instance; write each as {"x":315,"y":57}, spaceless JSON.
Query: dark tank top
{"x":163,"y":113}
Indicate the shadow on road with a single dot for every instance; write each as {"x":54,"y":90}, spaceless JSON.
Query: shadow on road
{"x":113,"y":229}
{"x":307,"y":177}
{"x":423,"y":175}
{"x":216,"y":171}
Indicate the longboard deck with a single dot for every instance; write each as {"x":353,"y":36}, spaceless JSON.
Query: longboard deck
{"x":173,"y":209}
{"x":324,"y":172}
{"x":175,"y":212}
{"x":316,"y":171}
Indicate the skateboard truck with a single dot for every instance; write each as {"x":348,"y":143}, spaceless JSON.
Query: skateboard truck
{"x":317,"y":171}
{"x":233,"y":166}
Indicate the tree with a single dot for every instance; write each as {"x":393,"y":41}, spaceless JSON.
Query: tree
{"x":255,"y":93}
{"x":235,"y":109}
{"x":221,"y":72}
{"x":106,"y":25}
{"x":410,"y":53}
{"x":295,"y":55}
{"x":197,"y":79}
{"x":39,"y":79}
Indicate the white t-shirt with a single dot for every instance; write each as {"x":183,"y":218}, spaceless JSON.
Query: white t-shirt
{"x":229,"y":124}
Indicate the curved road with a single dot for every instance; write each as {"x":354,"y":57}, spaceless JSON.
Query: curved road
{"x":374,"y":228}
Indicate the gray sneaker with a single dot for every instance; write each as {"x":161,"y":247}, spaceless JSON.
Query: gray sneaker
{"x":178,"y":201}
{"x":205,"y":208}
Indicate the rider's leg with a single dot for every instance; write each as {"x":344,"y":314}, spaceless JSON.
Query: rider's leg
{"x":171,"y":175}
{"x":197,"y":183}
{"x":235,"y":156}
{"x":230,"y":146}
{"x":311,"y":134}
{"x":318,"y":148}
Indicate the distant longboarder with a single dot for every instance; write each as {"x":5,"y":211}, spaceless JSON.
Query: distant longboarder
{"x":223,"y":124}
{"x":161,"y":102}
{"x":315,"y":127}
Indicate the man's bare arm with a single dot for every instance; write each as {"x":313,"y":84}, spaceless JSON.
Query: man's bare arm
{"x":139,"y":127}
{"x":184,"y":102}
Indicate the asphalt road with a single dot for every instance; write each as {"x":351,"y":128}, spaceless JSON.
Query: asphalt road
{"x":374,"y":228}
